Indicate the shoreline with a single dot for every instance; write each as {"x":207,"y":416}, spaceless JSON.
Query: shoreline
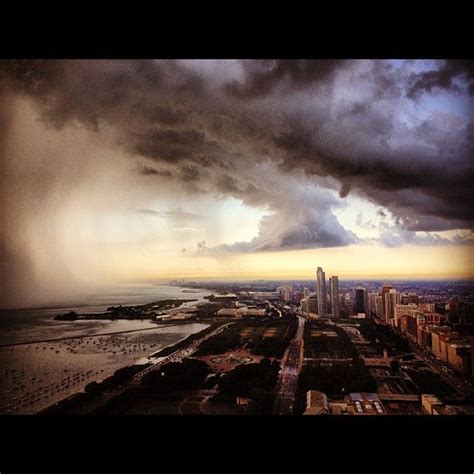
{"x":68,"y":304}
{"x":161,"y":353}
{"x":128,"y":312}
{"x":24,"y":394}
{"x":158,"y":326}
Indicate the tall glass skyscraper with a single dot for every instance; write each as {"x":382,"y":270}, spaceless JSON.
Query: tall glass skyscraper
{"x":334,"y":292}
{"x":360,"y":298}
{"x":321,"y":292}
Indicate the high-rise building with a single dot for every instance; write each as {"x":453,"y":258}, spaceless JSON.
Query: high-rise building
{"x":306,"y":292}
{"x":385,"y":289}
{"x":297,"y":296}
{"x":428,"y":307}
{"x":378,"y":307}
{"x":309,"y":305}
{"x":360,"y":300}
{"x":401,"y":310}
{"x":286,"y":293}
{"x":321,"y":292}
{"x":392,"y":298}
{"x":342,"y":305}
{"x":409,"y":298}
{"x":334,"y":292}
{"x":372,"y":309}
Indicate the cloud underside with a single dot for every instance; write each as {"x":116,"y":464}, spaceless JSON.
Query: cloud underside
{"x":174,"y":214}
{"x":293,"y":137}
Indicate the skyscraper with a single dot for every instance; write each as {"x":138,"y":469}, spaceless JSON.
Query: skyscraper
{"x":360,"y":306}
{"x":371,"y":309}
{"x":378,"y":307}
{"x":334,"y":292}
{"x":321,"y":292}
{"x":385,"y":289}
{"x":287,"y":293}
{"x":392,"y":298}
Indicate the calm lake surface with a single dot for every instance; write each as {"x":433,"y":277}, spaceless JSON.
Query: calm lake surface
{"x":36,"y":375}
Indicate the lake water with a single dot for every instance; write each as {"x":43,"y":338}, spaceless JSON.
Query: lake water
{"x":38,"y":374}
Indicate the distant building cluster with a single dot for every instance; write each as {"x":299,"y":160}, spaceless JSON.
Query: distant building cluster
{"x":319,"y":303}
{"x":424,"y":323}
{"x":327,"y":301}
{"x":317,"y":403}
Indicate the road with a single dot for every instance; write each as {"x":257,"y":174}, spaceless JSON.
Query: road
{"x":461,"y":384}
{"x":180,"y":354}
{"x":176,"y":356}
{"x":275,"y":308}
{"x":291,"y":366}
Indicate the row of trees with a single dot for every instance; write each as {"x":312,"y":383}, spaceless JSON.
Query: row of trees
{"x":340,"y":346}
{"x":427,"y":381}
{"x":383,"y":337}
{"x":119,"y":378}
{"x":335,"y":381}
{"x":176,"y":376}
{"x":226,"y":340}
{"x":274,"y":346}
{"x":254,"y":381}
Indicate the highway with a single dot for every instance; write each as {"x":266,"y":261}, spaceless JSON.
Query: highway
{"x":291,"y":366}
{"x":180,"y":354}
{"x":176,"y":356}
{"x":461,"y":384}
{"x":275,"y":308}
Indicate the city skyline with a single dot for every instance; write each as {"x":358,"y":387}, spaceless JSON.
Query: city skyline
{"x":264,"y":232}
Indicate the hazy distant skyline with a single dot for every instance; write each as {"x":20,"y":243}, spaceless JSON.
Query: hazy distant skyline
{"x":115,"y":171}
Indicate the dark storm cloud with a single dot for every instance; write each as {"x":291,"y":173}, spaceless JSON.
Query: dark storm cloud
{"x":427,"y":171}
{"x":90,"y":91}
{"x":175,"y":145}
{"x":443,"y":77}
{"x":163,"y":115}
{"x":146,"y":170}
{"x":76,"y":90}
{"x":261,"y":77}
{"x":336,"y":119}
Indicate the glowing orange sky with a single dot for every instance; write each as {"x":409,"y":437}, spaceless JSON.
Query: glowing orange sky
{"x":437,"y":262}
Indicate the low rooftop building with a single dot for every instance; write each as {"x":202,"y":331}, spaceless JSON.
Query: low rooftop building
{"x":242,"y":312}
{"x":317,"y":403}
{"x":429,"y":402}
{"x":181,"y":316}
{"x":225,"y":297}
{"x":365,"y":404}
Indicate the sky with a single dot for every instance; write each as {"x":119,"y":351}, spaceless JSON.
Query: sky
{"x":147,"y":170}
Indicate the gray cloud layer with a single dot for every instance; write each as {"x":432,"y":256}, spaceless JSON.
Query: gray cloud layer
{"x":333,"y":122}
{"x":174,"y":214}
